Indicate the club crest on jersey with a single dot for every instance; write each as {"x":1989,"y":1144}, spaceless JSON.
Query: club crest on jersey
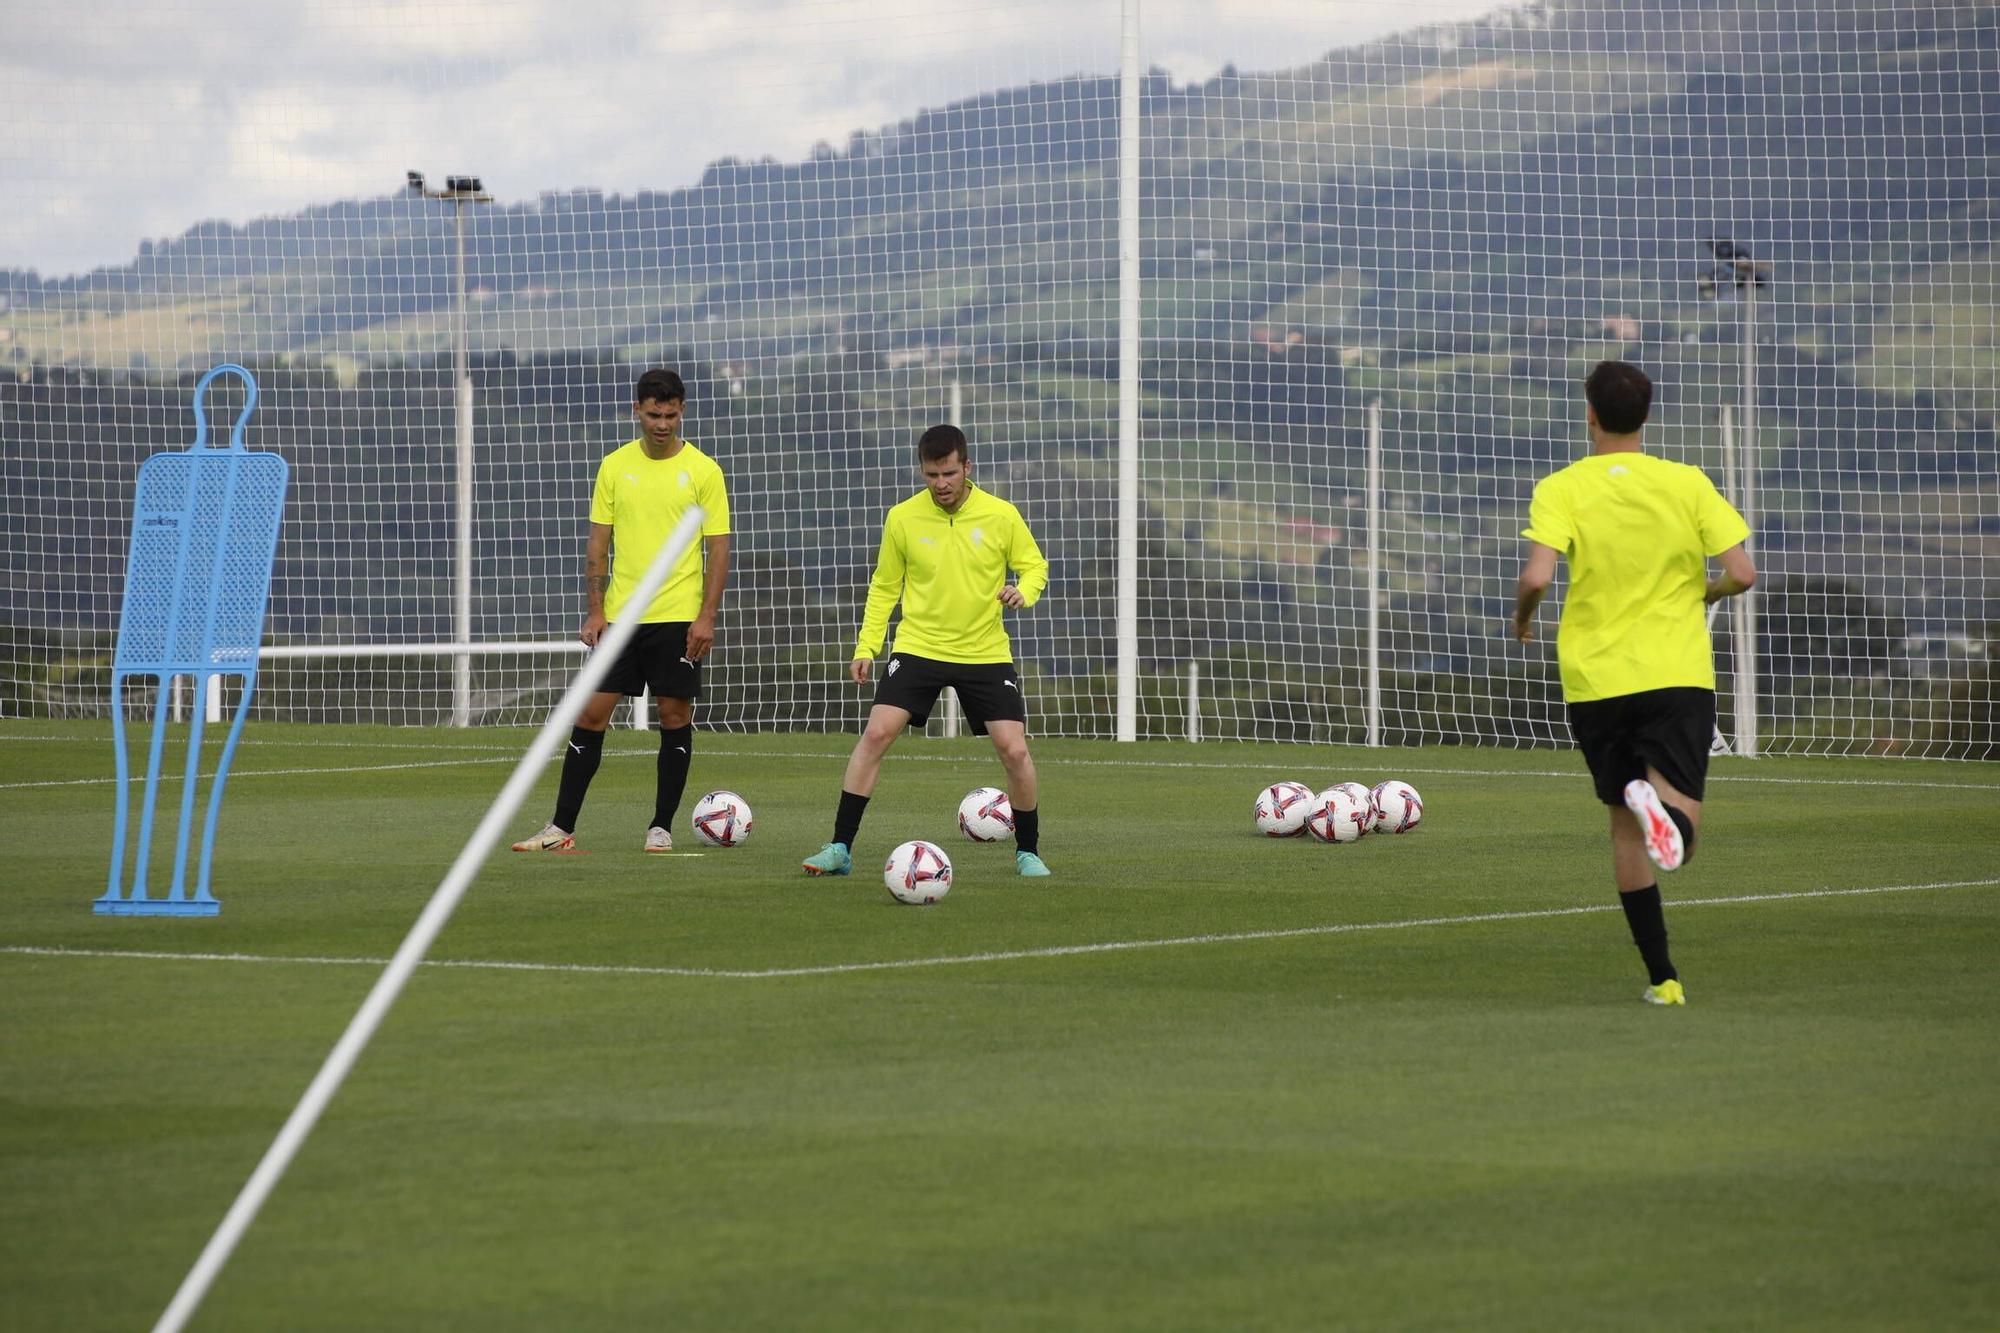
{"x":687,"y":482}
{"x":979,"y":536}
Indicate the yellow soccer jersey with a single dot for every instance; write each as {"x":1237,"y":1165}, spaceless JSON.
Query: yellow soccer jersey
{"x":641,"y":499}
{"x":1637,"y":531}
{"x":947,"y":570}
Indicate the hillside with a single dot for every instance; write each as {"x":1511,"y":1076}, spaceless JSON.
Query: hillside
{"x":1453,"y":223}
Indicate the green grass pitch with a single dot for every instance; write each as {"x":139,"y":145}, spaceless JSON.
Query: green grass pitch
{"x":1402,"y":1084}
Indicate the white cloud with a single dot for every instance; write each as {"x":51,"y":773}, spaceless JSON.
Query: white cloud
{"x":129,"y":119}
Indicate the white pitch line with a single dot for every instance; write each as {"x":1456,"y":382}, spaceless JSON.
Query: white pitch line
{"x":997,"y":956}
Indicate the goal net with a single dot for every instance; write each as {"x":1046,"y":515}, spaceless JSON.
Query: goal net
{"x":845,"y":220}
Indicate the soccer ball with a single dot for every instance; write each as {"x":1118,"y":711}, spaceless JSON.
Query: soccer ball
{"x":917,"y":872}
{"x":1282,"y":808}
{"x":722,"y":819}
{"x":1339,"y":815}
{"x":1354,"y":789}
{"x":1396,"y":807}
{"x":984,"y":815}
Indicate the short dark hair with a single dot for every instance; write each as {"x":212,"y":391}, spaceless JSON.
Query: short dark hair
{"x":659,"y":385}
{"x":1620,"y":394}
{"x":940,"y":443}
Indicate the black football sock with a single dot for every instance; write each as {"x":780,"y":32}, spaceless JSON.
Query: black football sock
{"x":1648,"y":920}
{"x":1686,"y":826}
{"x":580,"y":759}
{"x":847,"y":823}
{"x":1028,"y":830}
{"x":676,"y":753}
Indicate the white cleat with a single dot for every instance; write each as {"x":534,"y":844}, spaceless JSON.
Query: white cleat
{"x":550,"y":839}
{"x":659,"y":840}
{"x":1663,"y":839}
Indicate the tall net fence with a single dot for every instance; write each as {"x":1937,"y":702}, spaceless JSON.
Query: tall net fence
{"x":1407,"y":250}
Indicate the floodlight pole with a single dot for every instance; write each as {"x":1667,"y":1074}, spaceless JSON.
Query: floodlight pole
{"x":1746,"y":605}
{"x":461,"y":384}
{"x":460,"y":191}
{"x":1734,"y":270}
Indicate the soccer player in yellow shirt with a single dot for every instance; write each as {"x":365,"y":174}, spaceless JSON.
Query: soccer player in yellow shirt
{"x":642,"y":490}
{"x":945,"y":555}
{"x":1638,"y":671}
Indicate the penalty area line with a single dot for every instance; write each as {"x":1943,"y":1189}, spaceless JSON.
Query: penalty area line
{"x":996,"y":956}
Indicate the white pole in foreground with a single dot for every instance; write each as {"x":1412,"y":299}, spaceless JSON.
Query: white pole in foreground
{"x":1194,"y":702}
{"x":432,"y":920}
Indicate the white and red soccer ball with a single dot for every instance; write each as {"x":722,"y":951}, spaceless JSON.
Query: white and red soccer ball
{"x":1282,"y":809}
{"x":1339,"y":815}
{"x":917,"y":872}
{"x":722,"y":819}
{"x":1355,"y":789}
{"x":1395,"y":807}
{"x":985,"y":815}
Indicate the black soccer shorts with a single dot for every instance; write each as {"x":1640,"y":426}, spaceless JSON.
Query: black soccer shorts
{"x":1669,"y":729}
{"x":655,"y":659}
{"x":987,"y":691}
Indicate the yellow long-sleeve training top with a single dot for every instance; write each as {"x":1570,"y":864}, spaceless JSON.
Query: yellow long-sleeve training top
{"x":947,"y":569}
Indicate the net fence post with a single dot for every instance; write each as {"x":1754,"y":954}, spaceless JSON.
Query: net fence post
{"x":955,"y":414}
{"x":1373,"y":724}
{"x":1746,"y":606}
{"x":1128,"y":376}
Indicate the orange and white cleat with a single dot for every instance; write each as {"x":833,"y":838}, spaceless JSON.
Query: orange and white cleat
{"x":1663,"y":839}
{"x":550,"y":839}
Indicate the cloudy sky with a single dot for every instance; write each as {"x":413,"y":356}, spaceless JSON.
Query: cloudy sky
{"x":132,"y":119}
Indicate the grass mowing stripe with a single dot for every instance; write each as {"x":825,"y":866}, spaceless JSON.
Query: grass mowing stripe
{"x":485,"y":756}
{"x":166,"y":778}
{"x":1010,"y":955}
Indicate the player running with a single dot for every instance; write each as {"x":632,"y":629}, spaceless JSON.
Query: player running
{"x":1638,"y":671}
{"x":945,"y":555}
{"x":642,"y":490}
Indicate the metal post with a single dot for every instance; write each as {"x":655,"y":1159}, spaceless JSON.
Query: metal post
{"x":1127,"y":728}
{"x":1730,"y":489}
{"x":1372,"y":725}
{"x":956,"y":417}
{"x":1194,"y":702}
{"x":213,"y":710}
{"x":461,"y":665}
{"x":1745,"y":616}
